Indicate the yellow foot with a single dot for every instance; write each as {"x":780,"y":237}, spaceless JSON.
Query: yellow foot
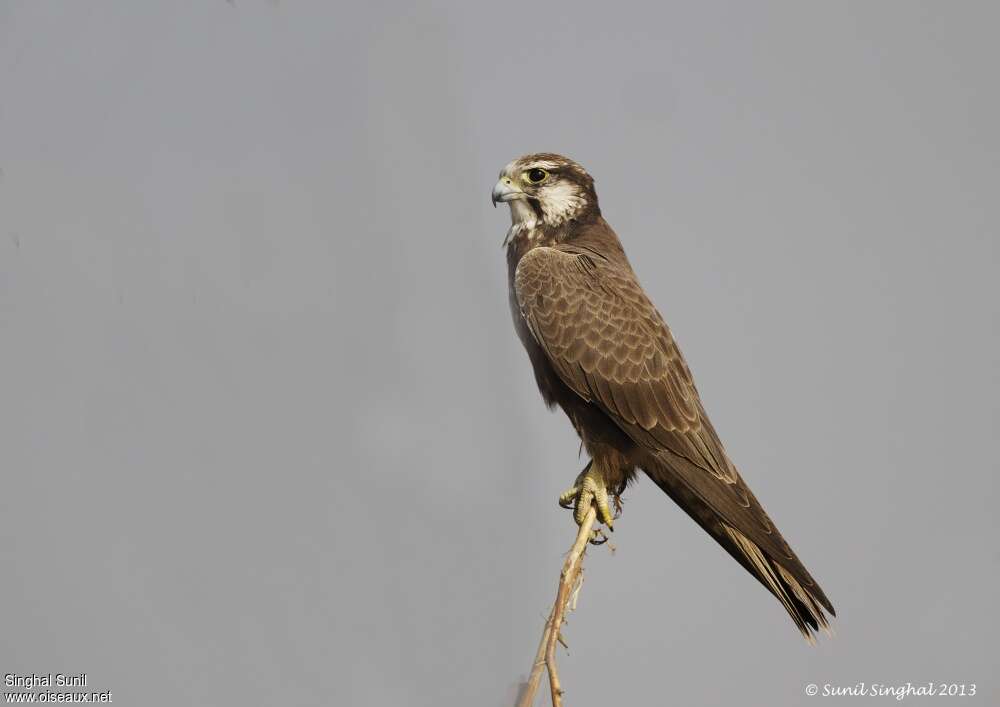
{"x":588,"y":488}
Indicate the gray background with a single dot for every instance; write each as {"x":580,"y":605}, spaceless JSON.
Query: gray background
{"x":268,"y":436}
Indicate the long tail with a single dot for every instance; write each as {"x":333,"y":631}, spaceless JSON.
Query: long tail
{"x":803,"y":606}
{"x":785,"y":577}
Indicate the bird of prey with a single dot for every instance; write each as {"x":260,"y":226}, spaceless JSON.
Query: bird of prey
{"x":601,"y":351}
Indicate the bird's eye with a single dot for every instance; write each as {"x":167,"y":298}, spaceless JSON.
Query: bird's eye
{"x":536,"y":175}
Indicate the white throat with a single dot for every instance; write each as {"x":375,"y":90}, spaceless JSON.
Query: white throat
{"x":522,"y":213}
{"x":523,"y":220}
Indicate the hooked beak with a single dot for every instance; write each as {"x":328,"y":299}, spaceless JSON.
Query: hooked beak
{"x":506,"y":191}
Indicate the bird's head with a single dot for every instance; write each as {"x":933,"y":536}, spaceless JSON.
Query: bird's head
{"x":546,"y":189}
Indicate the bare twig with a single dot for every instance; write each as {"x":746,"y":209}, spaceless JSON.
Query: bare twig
{"x":568,"y":587}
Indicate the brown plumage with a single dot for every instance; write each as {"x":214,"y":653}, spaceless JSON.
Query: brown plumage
{"x":602,"y":352}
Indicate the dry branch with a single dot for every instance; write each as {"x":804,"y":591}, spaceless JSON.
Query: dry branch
{"x":568,"y":582}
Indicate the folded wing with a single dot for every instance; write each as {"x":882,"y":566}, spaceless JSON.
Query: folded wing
{"x":610,"y":345}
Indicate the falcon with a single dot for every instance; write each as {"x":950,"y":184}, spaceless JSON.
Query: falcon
{"x":601,"y":351}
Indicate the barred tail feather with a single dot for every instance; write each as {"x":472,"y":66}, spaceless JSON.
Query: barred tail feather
{"x":804,"y":608}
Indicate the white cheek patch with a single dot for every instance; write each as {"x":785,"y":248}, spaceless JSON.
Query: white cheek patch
{"x":560,"y":202}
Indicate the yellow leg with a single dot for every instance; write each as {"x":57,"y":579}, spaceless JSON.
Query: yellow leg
{"x":589,"y":487}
